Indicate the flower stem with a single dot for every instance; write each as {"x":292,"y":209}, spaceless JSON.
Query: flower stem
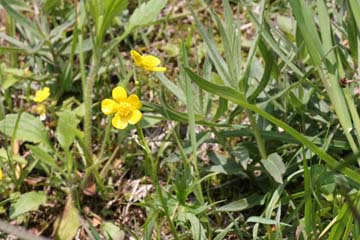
{"x":154,"y":177}
{"x":258,"y":138}
{"x":90,"y":81}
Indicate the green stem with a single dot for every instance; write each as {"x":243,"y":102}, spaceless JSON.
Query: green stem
{"x":258,"y":138}
{"x":353,"y":112}
{"x":105,"y":140}
{"x":155,"y":179}
{"x":88,"y":103}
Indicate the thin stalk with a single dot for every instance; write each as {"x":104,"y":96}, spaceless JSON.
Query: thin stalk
{"x":353,"y":112}
{"x":90,"y":81}
{"x":258,"y":138}
{"x":307,"y":190}
{"x":105,"y":140}
{"x":155,"y":179}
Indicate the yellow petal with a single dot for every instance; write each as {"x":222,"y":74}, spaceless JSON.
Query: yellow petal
{"x":119,"y":94}
{"x":150,"y":61}
{"x":41,"y":95}
{"x":134,"y":102}
{"x":155,"y":69}
{"x":137,"y":57}
{"x":109,"y":106}
{"x":40,"y":109}
{"x":1,"y":174}
{"x":119,"y":122}
{"x":135,"y":117}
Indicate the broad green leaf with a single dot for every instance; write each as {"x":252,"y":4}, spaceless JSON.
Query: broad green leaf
{"x":146,"y":13}
{"x":29,"y":128}
{"x":274,"y":166}
{"x":66,"y":128}
{"x":68,"y":223}
{"x":112,"y":231}
{"x":27,"y":202}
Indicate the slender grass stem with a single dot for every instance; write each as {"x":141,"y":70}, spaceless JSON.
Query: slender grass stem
{"x":258,"y":138}
{"x":353,"y":112}
{"x":88,"y":103}
{"x":155,"y":179}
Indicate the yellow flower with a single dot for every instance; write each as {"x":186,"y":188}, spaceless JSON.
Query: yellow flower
{"x":126,"y":109}
{"x":41,"y":110}
{"x":1,"y":175}
{"x":42,"y":95}
{"x":147,"y":62}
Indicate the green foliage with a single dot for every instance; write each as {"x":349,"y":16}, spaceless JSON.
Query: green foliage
{"x":25,"y":127}
{"x":27,"y":202}
{"x":253,"y":131}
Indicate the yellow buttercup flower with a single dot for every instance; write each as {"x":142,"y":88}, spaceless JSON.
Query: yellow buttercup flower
{"x":42,"y":95}
{"x":147,"y":62}
{"x":126,"y":109}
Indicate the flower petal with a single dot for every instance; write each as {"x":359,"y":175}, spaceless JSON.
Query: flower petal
{"x":134,"y":102}
{"x":150,"y":61}
{"x":137,"y":57}
{"x":41,"y":95}
{"x":155,"y":69}
{"x":119,"y":122}
{"x":119,"y":94}
{"x":109,"y":106}
{"x":135,"y":117}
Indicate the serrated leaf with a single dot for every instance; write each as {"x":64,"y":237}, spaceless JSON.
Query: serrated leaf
{"x":274,"y":166}
{"x":29,"y":128}
{"x":146,"y":13}
{"x":27,"y":202}
{"x":66,"y":128}
{"x":69,"y":222}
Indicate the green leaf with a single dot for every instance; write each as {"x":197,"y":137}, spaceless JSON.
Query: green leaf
{"x":22,"y":19}
{"x":173,"y":88}
{"x":265,"y":221}
{"x":113,"y":8}
{"x":234,"y":96}
{"x":274,"y":166}
{"x":68,"y":223}
{"x":197,"y":229}
{"x":27,"y":202}
{"x":66,"y":128}
{"x":42,"y":155}
{"x":242,"y":204}
{"x":146,"y":13}
{"x":112,"y":231}
{"x":29,"y":128}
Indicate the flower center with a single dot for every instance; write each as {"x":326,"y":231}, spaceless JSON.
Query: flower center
{"x":124,"y":109}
